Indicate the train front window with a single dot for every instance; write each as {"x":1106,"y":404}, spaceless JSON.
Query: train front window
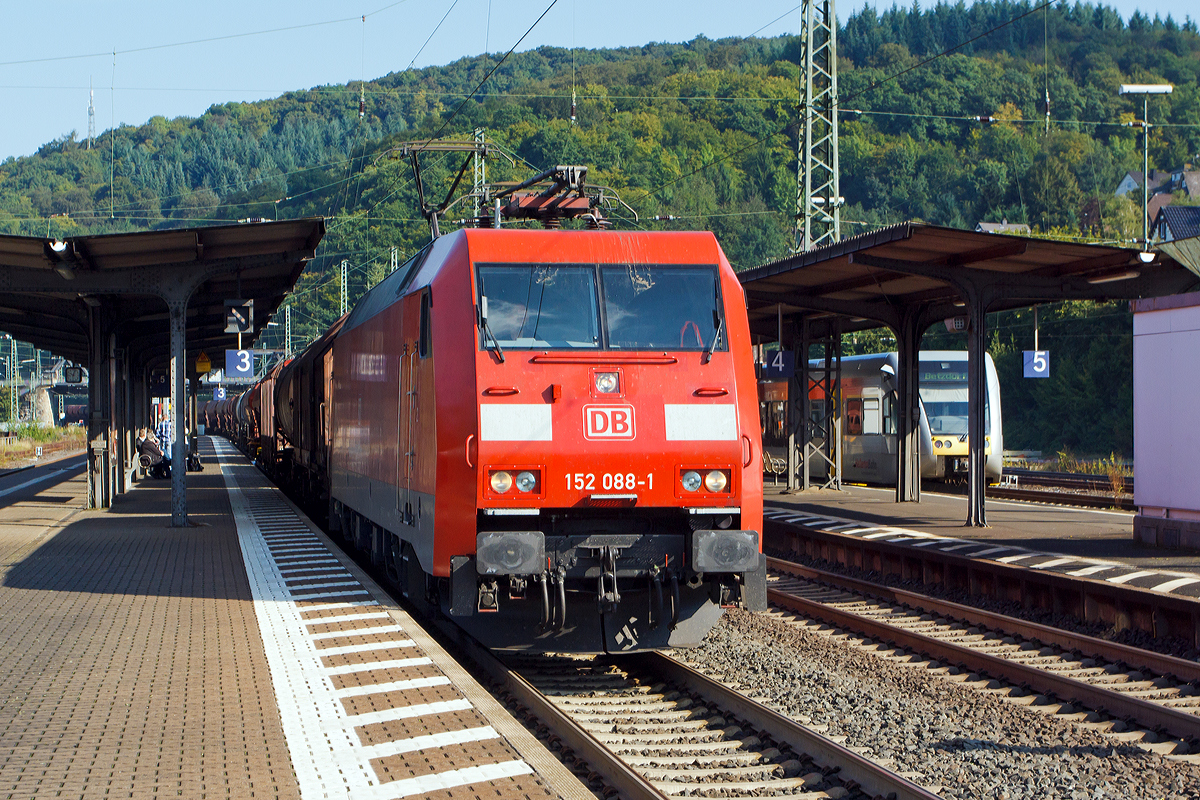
{"x":540,"y":307}
{"x":943,"y":391}
{"x":662,"y":308}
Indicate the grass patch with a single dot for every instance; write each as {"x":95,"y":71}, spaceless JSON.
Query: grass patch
{"x":21,"y":443}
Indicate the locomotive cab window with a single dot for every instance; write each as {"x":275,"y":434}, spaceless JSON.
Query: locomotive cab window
{"x":612,"y":307}
{"x":538,"y":307}
{"x":662,"y":308}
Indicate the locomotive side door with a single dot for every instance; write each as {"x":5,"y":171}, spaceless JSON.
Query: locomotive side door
{"x":407,"y":417}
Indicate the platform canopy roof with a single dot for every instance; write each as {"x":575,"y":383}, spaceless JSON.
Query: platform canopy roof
{"x":872,"y":280}
{"x":48,"y":286}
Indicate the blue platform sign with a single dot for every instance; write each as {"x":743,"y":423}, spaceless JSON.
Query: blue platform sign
{"x":219,"y":393}
{"x":1037,"y":363}
{"x":779,"y":365}
{"x":239,"y":363}
{"x":160,"y":385}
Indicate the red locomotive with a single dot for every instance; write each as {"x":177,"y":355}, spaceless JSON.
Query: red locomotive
{"x":552,"y":436}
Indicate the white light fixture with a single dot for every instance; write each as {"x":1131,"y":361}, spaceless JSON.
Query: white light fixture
{"x":1146,"y":88}
{"x":62,"y":268}
{"x":1117,"y":276}
{"x":1145,"y":257}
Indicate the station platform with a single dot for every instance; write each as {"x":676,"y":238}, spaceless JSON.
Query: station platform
{"x":240,"y":657}
{"x":1073,"y":541}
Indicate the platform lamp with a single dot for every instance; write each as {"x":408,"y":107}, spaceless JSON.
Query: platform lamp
{"x":1145,"y":90}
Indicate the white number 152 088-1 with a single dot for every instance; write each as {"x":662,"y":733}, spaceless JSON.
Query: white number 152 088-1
{"x":609,"y":481}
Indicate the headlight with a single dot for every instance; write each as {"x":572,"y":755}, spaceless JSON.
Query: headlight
{"x":691,"y":481}
{"x":510,"y":553}
{"x":724,"y":551}
{"x":501,"y":482}
{"x":526,"y":482}
{"x":716,"y":481}
{"x":937,"y":443}
{"x":606,"y":382}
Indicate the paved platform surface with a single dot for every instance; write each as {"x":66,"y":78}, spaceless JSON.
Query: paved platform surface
{"x":1076,"y":541}
{"x":238,"y":658}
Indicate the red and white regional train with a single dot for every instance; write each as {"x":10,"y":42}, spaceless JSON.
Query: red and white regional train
{"x":551,"y":436}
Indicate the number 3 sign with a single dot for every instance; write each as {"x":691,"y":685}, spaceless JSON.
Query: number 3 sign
{"x":239,"y":363}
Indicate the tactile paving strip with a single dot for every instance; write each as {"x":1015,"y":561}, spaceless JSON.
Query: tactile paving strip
{"x":365,"y":713}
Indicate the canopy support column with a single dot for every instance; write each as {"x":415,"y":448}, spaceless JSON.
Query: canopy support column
{"x":976,"y":398}
{"x":99,"y":407}
{"x":178,"y":307}
{"x":908,"y":418}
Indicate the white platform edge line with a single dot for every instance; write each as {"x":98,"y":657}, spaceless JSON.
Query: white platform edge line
{"x":304,"y":693}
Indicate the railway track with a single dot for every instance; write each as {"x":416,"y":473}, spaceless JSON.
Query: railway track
{"x":651,"y":727}
{"x":1132,"y":694}
{"x":1068,"y":498}
{"x":1066,"y":480}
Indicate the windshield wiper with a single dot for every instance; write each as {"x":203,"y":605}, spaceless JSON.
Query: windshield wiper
{"x":487,"y":331}
{"x":708,"y":354}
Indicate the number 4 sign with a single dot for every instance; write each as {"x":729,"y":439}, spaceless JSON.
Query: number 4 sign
{"x":779,"y":364}
{"x":239,"y":363}
{"x":1037,"y":363}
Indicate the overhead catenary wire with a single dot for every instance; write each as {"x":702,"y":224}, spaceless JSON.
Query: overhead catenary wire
{"x":431,"y":35}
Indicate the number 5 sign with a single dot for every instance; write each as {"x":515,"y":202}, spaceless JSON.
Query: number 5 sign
{"x":1037,"y":363}
{"x":239,"y":363}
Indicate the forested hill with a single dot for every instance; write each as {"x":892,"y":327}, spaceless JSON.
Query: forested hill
{"x":698,"y":131}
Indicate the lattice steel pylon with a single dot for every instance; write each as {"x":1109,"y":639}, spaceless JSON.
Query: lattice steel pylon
{"x":818,"y":199}
{"x":345,"y":299}
{"x":479,"y":169}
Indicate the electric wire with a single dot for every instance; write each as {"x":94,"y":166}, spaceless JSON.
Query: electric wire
{"x":432,"y":33}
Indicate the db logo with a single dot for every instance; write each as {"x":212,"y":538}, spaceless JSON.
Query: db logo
{"x":608,"y":422}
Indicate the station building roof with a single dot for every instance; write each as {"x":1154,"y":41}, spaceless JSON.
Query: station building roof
{"x":867,"y":281}
{"x":48,"y":286}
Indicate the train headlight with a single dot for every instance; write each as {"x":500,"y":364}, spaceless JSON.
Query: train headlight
{"x":716,"y":481}
{"x":501,"y":481}
{"x":526,"y":481}
{"x":725,"y":551}
{"x":510,"y":553}
{"x":607,"y":382}
{"x":937,"y":443}
{"x":691,"y":481}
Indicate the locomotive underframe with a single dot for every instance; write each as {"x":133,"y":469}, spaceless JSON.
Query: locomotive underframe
{"x":613,"y":582}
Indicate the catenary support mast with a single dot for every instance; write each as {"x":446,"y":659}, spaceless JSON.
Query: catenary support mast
{"x":818,"y":199}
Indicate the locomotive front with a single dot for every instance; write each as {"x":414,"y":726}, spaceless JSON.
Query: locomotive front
{"x":616,"y":451}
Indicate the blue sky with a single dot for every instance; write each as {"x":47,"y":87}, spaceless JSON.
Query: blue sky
{"x":53,"y":52}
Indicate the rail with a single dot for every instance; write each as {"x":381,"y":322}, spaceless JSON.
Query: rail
{"x":609,"y":695}
{"x":1119,"y":605}
{"x":1063,"y":677}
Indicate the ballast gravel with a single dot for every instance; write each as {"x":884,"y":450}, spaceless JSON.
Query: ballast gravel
{"x":970,"y":743}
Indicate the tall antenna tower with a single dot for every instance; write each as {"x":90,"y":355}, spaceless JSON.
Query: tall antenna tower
{"x":345,"y":264}
{"x":478,"y":170}
{"x":91,"y":116}
{"x":818,"y":199}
